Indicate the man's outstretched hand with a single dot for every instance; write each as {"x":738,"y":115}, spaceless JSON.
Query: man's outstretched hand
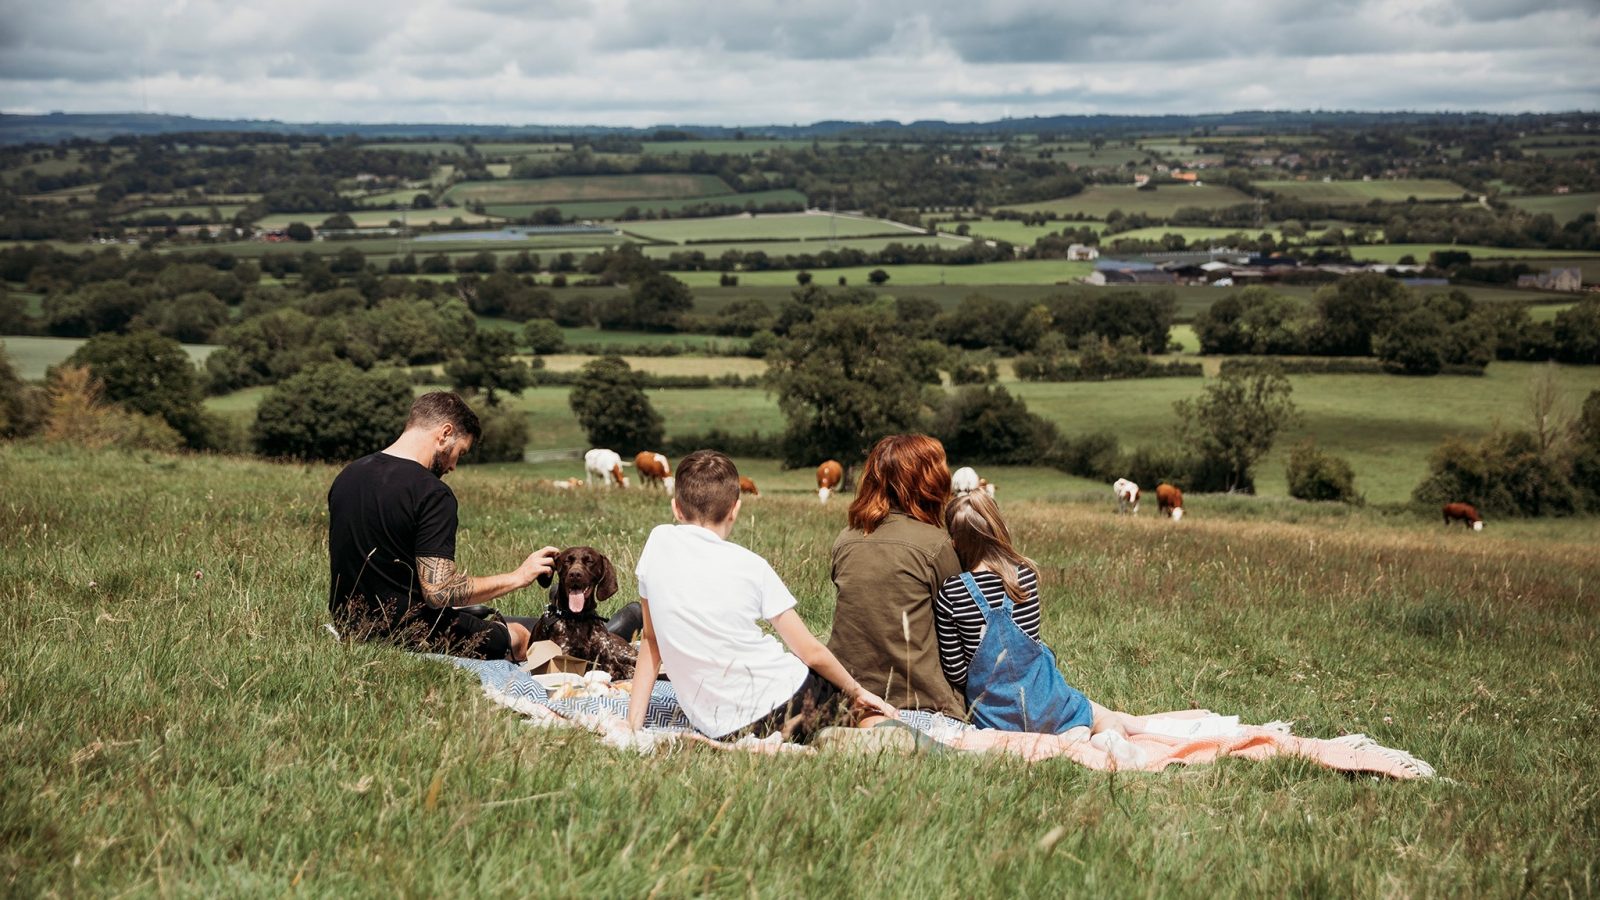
{"x":539,"y":563}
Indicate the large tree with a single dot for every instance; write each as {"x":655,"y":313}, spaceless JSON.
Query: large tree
{"x":144,"y":372}
{"x":846,"y":378}
{"x":333,"y":411}
{"x":611,"y":405}
{"x":1234,"y":421}
{"x":488,"y":365}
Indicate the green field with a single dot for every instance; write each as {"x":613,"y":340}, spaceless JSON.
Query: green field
{"x":802,"y":226}
{"x":1015,"y":232}
{"x":1385,"y":426}
{"x":1021,"y":272}
{"x":1389,"y":253}
{"x":749,"y":147}
{"x":1192,"y":234}
{"x":581,"y":188}
{"x":612,"y":209}
{"x":779,"y":249}
{"x":378,"y":247}
{"x":1081,"y":155}
{"x":1563,"y":207}
{"x":226,"y":211}
{"x":31,"y":356}
{"x":380,"y":218}
{"x":178,"y":722}
{"x":494,"y":149}
{"x":1354,"y":192}
{"x":1560,"y":144}
{"x":438,"y":148}
{"x":1097,"y":200}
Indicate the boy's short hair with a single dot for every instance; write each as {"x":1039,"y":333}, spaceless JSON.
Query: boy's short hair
{"x":707,"y":486}
{"x":435,"y":408}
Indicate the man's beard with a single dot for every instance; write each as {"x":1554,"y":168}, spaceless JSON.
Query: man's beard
{"x":440,"y":462}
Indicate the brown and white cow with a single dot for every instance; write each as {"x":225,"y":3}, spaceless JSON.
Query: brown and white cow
{"x":1169,"y":501}
{"x":1465,"y":513}
{"x":653,"y":468}
{"x":829,"y":474}
{"x":746,"y":486}
{"x":1127,"y":494}
{"x":606,"y":465}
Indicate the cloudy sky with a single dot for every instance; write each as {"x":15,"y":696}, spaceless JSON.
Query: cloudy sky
{"x":649,"y":62}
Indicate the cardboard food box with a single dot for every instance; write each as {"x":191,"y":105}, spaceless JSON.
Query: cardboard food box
{"x":545,"y":657}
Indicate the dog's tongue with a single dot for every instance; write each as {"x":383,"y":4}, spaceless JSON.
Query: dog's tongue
{"x":575,"y":600}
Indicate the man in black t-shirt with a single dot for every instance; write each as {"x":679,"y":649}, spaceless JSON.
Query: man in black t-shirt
{"x":392,"y":545}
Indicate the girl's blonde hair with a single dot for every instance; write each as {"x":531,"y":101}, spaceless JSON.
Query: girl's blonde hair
{"x":981,"y":538}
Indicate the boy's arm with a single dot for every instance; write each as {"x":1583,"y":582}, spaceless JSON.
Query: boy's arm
{"x":644,"y":671}
{"x":812,"y":652}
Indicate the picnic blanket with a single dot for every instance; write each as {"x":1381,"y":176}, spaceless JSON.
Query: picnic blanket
{"x":1184,"y":737}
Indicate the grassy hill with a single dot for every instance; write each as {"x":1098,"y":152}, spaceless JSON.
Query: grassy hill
{"x":177,"y":721}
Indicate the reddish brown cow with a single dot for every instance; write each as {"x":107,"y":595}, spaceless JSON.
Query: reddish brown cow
{"x":746,"y":486}
{"x":1465,"y":513}
{"x":829,"y":474}
{"x":1169,"y":500}
{"x":653,"y":469}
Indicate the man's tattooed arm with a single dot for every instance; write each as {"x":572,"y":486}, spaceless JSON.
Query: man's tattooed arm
{"x":442,"y":584}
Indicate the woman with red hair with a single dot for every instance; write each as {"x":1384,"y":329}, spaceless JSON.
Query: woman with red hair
{"x":887,"y":565}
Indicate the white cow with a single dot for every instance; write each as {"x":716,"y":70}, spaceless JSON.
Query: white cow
{"x":605,"y":465}
{"x":964,"y":481}
{"x":1127,"y":496}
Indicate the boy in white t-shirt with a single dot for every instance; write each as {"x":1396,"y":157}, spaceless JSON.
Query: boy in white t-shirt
{"x":703,"y":596}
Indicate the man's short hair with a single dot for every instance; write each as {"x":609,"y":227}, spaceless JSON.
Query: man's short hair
{"x":440,"y":407}
{"x":707,"y":486}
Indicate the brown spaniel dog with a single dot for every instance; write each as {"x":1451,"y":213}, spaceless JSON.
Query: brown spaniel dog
{"x":583,"y":578}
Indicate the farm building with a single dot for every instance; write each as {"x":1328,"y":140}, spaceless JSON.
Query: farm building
{"x":1082,"y":252}
{"x":1570,"y":279}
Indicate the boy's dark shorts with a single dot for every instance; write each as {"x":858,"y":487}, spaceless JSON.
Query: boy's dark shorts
{"x":815,"y":706}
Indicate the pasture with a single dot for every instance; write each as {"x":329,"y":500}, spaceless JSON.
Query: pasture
{"x":1390,"y":253}
{"x":31,"y":356}
{"x":1563,"y":207}
{"x":1384,"y":425}
{"x":1192,"y":234}
{"x":614,"y":209}
{"x":1021,"y":272}
{"x":1016,"y":232}
{"x":580,"y":188}
{"x":774,"y":226}
{"x":747,"y":147}
{"x":224,"y":212}
{"x":178,"y":722}
{"x":1397,"y":190}
{"x":381,"y":218}
{"x":1095,"y":201}
{"x":779,"y":249}
{"x":1083,"y":156}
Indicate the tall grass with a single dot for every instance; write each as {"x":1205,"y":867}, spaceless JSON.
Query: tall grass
{"x":176,"y":723}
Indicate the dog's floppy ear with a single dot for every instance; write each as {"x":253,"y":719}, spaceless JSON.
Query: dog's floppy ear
{"x":553,"y":579}
{"x":608,"y":580}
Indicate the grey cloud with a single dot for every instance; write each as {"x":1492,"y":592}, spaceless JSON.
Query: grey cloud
{"x":636,"y":62}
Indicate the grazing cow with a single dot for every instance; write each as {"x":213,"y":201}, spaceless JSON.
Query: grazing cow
{"x":746,"y":486}
{"x":566,"y":485}
{"x":1465,"y":513}
{"x":829,"y":474}
{"x":964,"y":481}
{"x":653,"y":469}
{"x":986,"y":486}
{"x":605,"y":465}
{"x":1170,"y":501}
{"x":1127,"y":496}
